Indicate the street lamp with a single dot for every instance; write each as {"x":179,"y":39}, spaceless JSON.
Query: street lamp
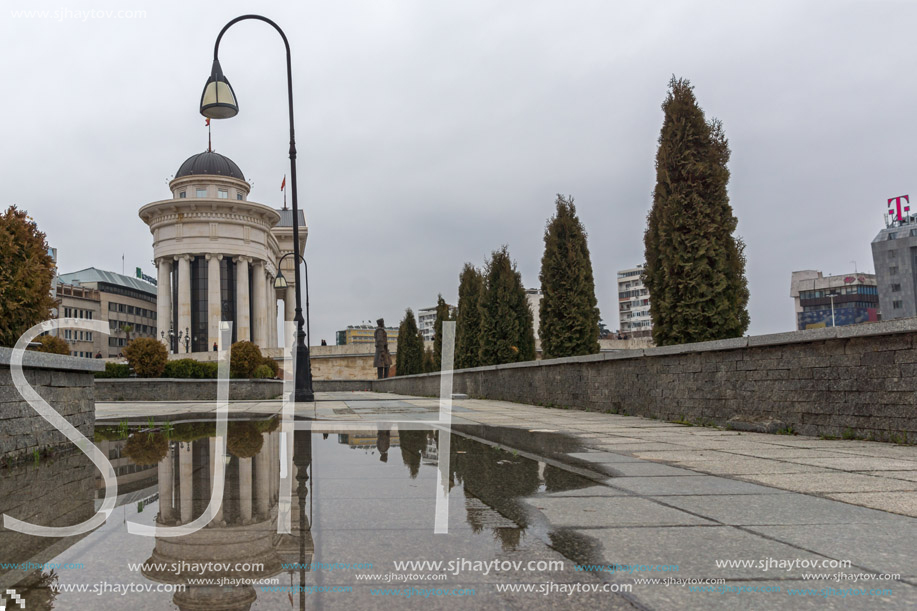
{"x":832,"y":295}
{"x":218,"y":101}
{"x":281,"y":283}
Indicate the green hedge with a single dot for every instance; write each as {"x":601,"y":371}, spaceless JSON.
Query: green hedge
{"x":189,"y":368}
{"x":114,"y":370}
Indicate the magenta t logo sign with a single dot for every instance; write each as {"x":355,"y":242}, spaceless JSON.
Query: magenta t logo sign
{"x":896,"y":210}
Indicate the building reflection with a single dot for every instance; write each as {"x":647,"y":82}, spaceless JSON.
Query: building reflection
{"x":243,"y":534}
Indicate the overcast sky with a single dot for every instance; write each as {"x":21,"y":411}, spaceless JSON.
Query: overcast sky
{"x":431,"y":132}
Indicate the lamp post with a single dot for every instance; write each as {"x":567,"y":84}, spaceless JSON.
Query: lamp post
{"x":281,"y":283}
{"x":218,"y":101}
{"x":832,"y":295}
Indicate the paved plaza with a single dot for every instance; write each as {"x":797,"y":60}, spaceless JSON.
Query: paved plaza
{"x":664,"y":493}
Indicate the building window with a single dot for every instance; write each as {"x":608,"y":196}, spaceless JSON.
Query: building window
{"x":893,"y":270}
{"x":893,"y":254}
{"x":238,"y":196}
{"x":896,"y":305}
{"x":896,"y":288}
{"x":222,"y":194}
{"x":892,"y":235}
{"x":182,"y":194}
{"x":200,"y":192}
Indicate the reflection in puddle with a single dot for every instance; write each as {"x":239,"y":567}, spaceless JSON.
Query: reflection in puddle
{"x":360,"y":498}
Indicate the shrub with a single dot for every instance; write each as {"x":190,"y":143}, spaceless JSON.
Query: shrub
{"x":147,"y":357}
{"x":244,"y":439}
{"x":263,"y":372}
{"x":245,"y":358}
{"x":114,"y":370}
{"x":146,"y":448}
{"x":52,"y":344}
{"x":275,"y":368}
{"x":181,"y":368}
{"x":206,"y":371}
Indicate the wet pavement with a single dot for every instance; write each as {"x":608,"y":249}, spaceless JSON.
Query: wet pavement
{"x":593,"y":501}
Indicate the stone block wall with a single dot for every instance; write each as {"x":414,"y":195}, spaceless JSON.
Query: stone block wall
{"x":169,"y":389}
{"x":859,"y":380}
{"x":65,"y":382}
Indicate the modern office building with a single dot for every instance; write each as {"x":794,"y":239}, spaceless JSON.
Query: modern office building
{"x":127,"y":304}
{"x":217,"y":254}
{"x":833,"y":301}
{"x":633,"y":304}
{"x":533,"y":296}
{"x":79,"y":302}
{"x":363,"y":334}
{"x":894,"y":256}
{"x":426,"y":320}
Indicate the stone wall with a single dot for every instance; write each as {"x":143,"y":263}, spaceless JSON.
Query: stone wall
{"x":858,"y":380}
{"x":170,"y":389}
{"x":65,"y":382}
{"x":58,"y":492}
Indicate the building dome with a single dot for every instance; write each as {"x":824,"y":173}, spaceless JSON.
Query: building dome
{"x":209,"y":163}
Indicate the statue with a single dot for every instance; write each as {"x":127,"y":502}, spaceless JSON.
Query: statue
{"x":383,"y":359}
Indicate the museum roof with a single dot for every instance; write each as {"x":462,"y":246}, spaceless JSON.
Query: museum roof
{"x":209,"y":163}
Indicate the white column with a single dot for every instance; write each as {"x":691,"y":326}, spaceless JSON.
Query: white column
{"x":263,"y":475}
{"x":185,"y":472}
{"x":214,"y":300}
{"x":245,"y":489}
{"x":289,"y":304}
{"x":243,"y":326}
{"x":218,"y":517}
{"x":184,"y":299}
{"x":271,"y":312}
{"x":259,"y":305}
{"x":165,"y":485}
{"x":164,"y":300}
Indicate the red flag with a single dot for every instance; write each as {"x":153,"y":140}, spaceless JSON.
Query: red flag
{"x":283,"y":185}
{"x":207,"y":122}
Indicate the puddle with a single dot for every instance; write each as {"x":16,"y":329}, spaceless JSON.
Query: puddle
{"x":361,"y":501}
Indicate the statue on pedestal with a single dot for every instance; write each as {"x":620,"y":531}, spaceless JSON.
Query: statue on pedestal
{"x":383,"y":358}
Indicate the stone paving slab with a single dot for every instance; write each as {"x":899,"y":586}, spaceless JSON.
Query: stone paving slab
{"x":680,"y":485}
{"x":904,"y":503}
{"x":833,"y":481}
{"x":783,"y":509}
{"x":881,"y":548}
{"x":605,"y":512}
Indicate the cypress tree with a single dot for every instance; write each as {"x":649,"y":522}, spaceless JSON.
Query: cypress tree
{"x":428,"y":365}
{"x":468,"y":318}
{"x":569,"y":318}
{"x":409,"y":359}
{"x":506,"y":328}
{"x":695,"y":267}
{"x":443,"y":313}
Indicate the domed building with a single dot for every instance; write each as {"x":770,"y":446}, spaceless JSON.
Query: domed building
{"x":216,"y":253}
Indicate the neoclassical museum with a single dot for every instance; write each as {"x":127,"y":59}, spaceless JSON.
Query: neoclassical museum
{"x":216,"y":252}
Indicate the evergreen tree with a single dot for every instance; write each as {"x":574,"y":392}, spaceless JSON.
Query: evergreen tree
{"x":26,"y":272}
{"x":695,"y":267}
{"x":428,"y":365}
{"x":443,"y":313}
{"x":409,"y":359}
{"x":468,"y":318}
{"x":507,"y":335}
{"x":569,"y":318}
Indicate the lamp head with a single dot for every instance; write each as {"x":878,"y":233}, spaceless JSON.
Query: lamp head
{"x":218,"y":101}
{"x":280,"y":282}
